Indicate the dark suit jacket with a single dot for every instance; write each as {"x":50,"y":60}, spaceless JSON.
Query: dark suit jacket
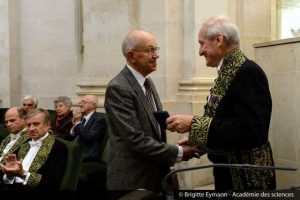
{"x":48,"y":166}
{"x":91,"y":137}
{"x":241,"y":125}
{"x":139,"y":158}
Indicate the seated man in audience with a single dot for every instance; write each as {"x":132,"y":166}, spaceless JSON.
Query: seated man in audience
{"x":89,"y":128}
{"x":29,"y":102}
{"x":15,"y":122}
{"x":39,"y":163}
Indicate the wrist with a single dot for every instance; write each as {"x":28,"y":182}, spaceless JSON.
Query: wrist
{"x":24,"y":175}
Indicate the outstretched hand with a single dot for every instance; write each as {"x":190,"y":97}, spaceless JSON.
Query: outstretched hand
{"x":179,"y":123}
{"x":189,"y":151}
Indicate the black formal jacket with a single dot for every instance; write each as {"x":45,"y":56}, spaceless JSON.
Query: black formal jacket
{"x":90,"y":137}
{"x":47,"y":168}
{"x":234,"y":128}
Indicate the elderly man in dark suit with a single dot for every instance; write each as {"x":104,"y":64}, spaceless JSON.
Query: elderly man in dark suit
{"x":139,"y":155}
{"x":234,"y":127}
{"x":89,"y":128}
{"x":39,"y":163}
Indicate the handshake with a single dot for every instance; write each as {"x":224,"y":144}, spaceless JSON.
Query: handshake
{"x":189,"y":151}
{"x":180,"y":124}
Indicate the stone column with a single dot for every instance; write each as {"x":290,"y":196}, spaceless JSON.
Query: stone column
{"x":9,"y":53}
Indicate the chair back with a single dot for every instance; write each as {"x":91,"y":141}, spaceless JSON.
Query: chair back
{"x":2,"y":115}
{"x":3,"y":132}
{"x":71,"y":175}
{"x":52,"y":114}
{"x":104,"y":147}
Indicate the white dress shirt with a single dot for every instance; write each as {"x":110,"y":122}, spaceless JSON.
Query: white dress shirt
{"x":26,"y":163}
{"x":13,"y":139}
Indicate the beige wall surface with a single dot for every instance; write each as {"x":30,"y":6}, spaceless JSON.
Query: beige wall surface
{"x":281,"y":62}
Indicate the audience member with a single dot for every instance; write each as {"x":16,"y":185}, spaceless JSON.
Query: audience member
{"x":29,"y":102}
{"x":15,"y":123}
{"x":39,"y":163}
{"x":62,"y":122}
{"x":89,"y":128}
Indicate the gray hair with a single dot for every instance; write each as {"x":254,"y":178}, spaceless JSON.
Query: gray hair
{"x":32,"y":98}
{"x":129,"y":42}
{"x":222,"y":24}
{"x":36,"y":111}
{"x":65,"y":100}
{"x":132,"y":39}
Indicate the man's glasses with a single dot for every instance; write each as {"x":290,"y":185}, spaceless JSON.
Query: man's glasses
{"x":149,"y":51}
{"x":84,"y":102}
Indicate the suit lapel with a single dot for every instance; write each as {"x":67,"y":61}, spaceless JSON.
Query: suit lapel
{"x":41,"y":156}
{"x":23,"y":138}
{"x":138,"y":90}
{"x":4,"y":142}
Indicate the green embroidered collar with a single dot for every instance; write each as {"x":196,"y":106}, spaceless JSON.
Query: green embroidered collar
{"x":231,"y":64}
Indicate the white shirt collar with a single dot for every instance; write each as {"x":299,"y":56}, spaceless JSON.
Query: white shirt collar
{"x":88,"y":116}
{"x":42,"y":138}
{"x":16,"y":136}
{"x":138,"y":76}
{"x":220,"y":64}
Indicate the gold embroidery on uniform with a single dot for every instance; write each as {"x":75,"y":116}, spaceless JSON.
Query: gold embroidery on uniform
{"x":39,"y":160}
{"x":22,"y":139}
{"x":200,"y":126}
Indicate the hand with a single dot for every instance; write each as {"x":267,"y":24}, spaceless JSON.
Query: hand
{"x":189,"y":152}
{"x":12,"y":166}
{"x":76,"y":115}
{"x":184,"y":142}
{"x":179,"y":123}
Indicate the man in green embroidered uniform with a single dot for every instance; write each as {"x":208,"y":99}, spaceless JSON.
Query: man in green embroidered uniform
{"x":39,"y":163}
{"x":234,"y":127}
{"x":15,"y":123}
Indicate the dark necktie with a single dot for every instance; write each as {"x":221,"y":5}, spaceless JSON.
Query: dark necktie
{"x":149,"y":94}
{"x":83,"y":121}
{"x":150,"y":100}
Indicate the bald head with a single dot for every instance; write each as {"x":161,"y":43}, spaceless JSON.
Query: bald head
{"x":14,"y":119}
{"x":88,"y":104}
{"x":92,"y":98}
{"x":141,"y":51}
{"x":132,"y":40}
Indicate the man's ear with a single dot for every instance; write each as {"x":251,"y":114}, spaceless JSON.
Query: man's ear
{"x":220,"y":38}
{"x":130,"y":57}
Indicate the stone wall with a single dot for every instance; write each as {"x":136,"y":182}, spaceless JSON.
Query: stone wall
{"x":280,"y":60}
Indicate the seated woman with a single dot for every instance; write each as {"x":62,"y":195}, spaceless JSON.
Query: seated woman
{"x":62,"y":123}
